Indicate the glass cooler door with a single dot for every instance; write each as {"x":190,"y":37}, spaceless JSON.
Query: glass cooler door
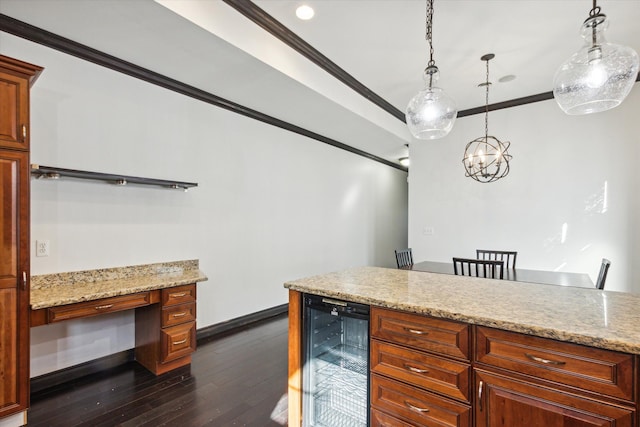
{"x":336,"y":363}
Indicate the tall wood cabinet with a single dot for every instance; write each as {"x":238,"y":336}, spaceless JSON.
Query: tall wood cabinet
{"x":16,"y":77}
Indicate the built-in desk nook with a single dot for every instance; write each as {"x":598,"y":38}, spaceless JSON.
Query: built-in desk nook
{"x":163,"y":296}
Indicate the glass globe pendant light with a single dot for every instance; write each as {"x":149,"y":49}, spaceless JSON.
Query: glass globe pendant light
{"x":600,"y":75}
{"x":431,"y":113}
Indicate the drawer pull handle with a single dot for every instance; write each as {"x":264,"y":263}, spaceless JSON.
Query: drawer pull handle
{"x":180,"y":342}
{"x":416,"y":408}
{"x":416,"y":331}
{"x":545,"y":361}
{"x":414,"y":369}
{"x":184,"y":313}
{"x":103,"y":307}
{"x":177,"y":295}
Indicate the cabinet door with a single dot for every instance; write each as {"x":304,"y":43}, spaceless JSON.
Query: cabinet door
{"x":14,"y":216}
{"x":504,"y":402}
{"x":14,"y":291}
{"x":14,"y":111}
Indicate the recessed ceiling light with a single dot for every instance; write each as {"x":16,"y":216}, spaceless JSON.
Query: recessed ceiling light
{"x":507,"y":78}
{"x":305,"y":12}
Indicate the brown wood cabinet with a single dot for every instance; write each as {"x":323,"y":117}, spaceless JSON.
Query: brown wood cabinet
{"x":15,"y":79}
{"x":428,"y":371}
{"x":505,"y":402}
{"x":420,"y":370}
{"x":166,"y":332}
{"x":538,"y":382}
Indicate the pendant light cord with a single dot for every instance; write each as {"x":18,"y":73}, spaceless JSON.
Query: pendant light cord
{"x":486,"y":105}
{"x":595,"y":11}
{"x":429,"y":35}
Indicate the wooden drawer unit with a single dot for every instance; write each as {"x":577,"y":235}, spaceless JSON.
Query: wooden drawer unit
{"x":423,"y":370}
{"x":593,"y":370}
{"x":177,"y":314}
{"x":178,"y":295}
{"x":445,"y":337}
{"x":166,"y":332}
{"x":380,"y":419}
{"x":416,"y":406}
{"x":420,"y":370}
{"x":97,"y":307}
{"x":178,"y":341}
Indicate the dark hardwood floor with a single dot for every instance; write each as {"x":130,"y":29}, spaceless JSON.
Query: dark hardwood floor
{"x":239,"y":379}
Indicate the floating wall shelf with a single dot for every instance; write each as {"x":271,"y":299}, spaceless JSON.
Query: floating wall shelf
{"x":49,"y":172}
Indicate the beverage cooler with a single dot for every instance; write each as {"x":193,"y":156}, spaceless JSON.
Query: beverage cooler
{"x":336,"y":363}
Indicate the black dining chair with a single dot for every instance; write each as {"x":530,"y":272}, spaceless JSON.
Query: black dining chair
{"x":509,"y":257}
{"x":602,"y":277}
{"x":490,"y":269}
{"x":404,"y":258}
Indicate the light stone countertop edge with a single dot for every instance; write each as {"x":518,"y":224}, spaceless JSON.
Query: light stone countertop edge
{"x":591,"y":317}
{"x":57,"y":293}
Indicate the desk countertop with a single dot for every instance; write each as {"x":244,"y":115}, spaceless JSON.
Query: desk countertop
{"x":51,"y":290}
{"x":588,"y":316}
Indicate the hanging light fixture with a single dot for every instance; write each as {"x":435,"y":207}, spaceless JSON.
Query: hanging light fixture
{"x":431,"y":113}
{"x":600,"y":75}
{"x":486,"y":158}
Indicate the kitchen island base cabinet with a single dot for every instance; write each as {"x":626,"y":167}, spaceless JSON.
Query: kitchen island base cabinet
{"x":166,"y":332}
{"x":504,"y":402}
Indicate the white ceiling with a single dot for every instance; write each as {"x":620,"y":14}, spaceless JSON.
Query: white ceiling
{"x":209,"y":45}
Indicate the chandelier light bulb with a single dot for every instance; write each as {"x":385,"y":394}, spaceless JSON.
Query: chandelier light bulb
{"x":599,"y":76}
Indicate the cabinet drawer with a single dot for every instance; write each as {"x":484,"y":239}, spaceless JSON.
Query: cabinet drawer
{"x":421,"y":369}
{"x":178,"y":295}
{"x":380,"y":419}
{"x":417,"y":405}
{"x":96,"y":307}
{"x":440,"y":336}
{"x":176,"y":314}
{"x":178,"y":341}
{"x":595,"y":370}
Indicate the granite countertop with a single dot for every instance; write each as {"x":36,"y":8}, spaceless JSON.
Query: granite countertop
{"x":609,"y":320}
{"x":51,"y":290}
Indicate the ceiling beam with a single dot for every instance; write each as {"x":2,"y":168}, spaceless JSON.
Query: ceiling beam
{"x":273,"y":26}
{"x":38,"y":35}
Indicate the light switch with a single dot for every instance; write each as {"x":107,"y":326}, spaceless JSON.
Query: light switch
{"x":428,"y":231}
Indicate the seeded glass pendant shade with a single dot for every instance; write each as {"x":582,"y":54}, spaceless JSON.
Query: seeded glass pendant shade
{"x":431,"y":113}
{"x":599,"y":76}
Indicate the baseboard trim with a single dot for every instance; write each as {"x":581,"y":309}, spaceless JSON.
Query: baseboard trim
{"x":72,"y":373}
{"x":233,"y":325}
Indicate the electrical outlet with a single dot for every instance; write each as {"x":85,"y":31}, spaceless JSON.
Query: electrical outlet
{"x":42,"y":248}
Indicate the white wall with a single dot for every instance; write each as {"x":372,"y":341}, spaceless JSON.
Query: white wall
{"x":270,"y":206}
{"x":581,"y":171}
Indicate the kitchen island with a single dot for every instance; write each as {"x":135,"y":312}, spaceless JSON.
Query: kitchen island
{"x":467,"y":351}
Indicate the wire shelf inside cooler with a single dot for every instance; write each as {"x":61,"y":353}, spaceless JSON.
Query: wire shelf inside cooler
{"x":340,"y":397}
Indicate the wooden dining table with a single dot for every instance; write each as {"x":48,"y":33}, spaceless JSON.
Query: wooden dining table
{"x":560,"y":278}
